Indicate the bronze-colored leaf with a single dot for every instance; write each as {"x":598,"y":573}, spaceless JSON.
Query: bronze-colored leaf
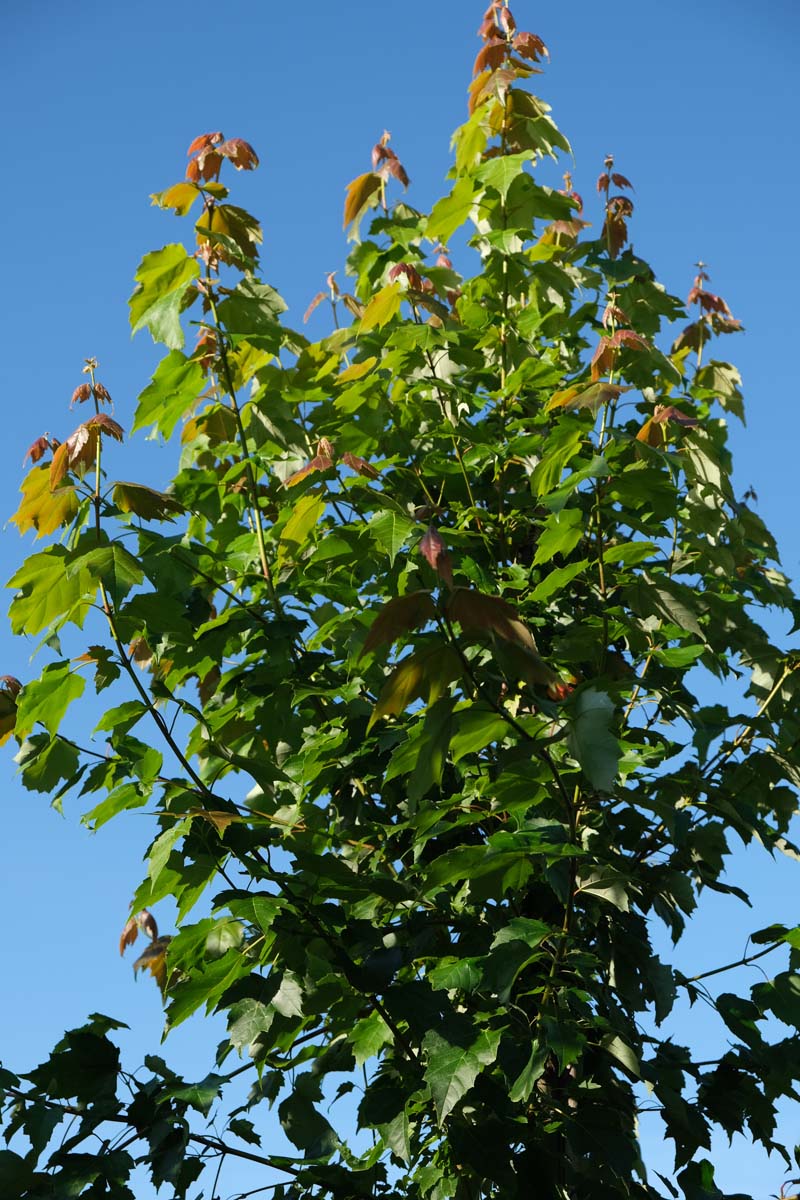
{"x":424,"y":675}
{"x":154,"y":960}
{"x":37,"y":450}
{"x":528,"y":45}
{"x":129,"y":934}
{"x":477,"y":611}
{"x":147,"y":923}
{"x":359,"y":464}
{"x":434,"y":551}
{"x":490,"y":56}
{"x":399,"y":616}
{"x":359,"y":194}
{"x":320,"y":462}
{"x":203,"y":141}
{"x":82,"y":393}
{"x":145,"y":502}
{"x":592,"y":397}
{"x":240,"y":153}
{"x":320,"y":296}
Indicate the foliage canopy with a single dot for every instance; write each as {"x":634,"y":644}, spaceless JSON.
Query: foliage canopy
{"x":406,"y":656}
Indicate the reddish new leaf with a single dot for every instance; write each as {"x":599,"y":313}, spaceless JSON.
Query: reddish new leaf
{"x":129,"y":934}
{"x":359,"y":464}
{"x":490,"y":56}
{"x":240,"y":153}
{"x":82,"y":392}
{"x":434,"y":551}
{"x":399,"y":616}
{"x":628,"y":337}
{"x":592,"y":397}
{"x":395,"y":168}
{"x":409,"y":272}
{"x":479,"y":612}
{"x":106,"y":424}
{"x":37,"y":450}
{"x":528,"y":45}
{"x":320,"y":296}
{"x":602,"y":359}
{"x":620,"y":181}
{"x":322,"y":461}
{"x":203,"y":142}
{"x":613,"y":314}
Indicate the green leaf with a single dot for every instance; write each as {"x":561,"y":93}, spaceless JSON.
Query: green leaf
{"x":247,"y":1019}
{"x":122,"y":718}
{"x":16,"y":1175}
{"x":449,"y":213}
{"x":478,"y":727}
{"x":288,"y":999}
{"x":390,"y":530}
{"x":306,"y":1128}
{"x":162,"y":281}
{"x":555,"y":581}
{"x":49,"y":595}
{"x":305,"y":515}
{"x":621,"y":1051}
{"x":47,"y":699}
{"x":368,"y":1037}
{"x":113,"y":566}
{"x":451,"y":1069}
{"x":199,"y":1096}
{"x":560,"y":534}
{"x":175,"y":389}
{"x":591,"y":740}
{"x":559,"y":449}
{"x":533,"y":1070}
{"x":45,"y":762}
{"x":251,"y":312}
{"x":500,"y":172}
{"x":163,"y":846}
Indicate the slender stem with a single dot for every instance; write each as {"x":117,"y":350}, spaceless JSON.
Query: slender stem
{"x":740,"y":962}
{"x":246,"y":459}
{"x":724,"y":754}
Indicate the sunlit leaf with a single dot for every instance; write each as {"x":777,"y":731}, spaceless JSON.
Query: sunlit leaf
{"x":305,"y":516}
{"x":42,"y":509}
{"x":360,"y":194}
{"x":384,"y":305}
{"x":162,"y":280}
{"x":175,"y":388}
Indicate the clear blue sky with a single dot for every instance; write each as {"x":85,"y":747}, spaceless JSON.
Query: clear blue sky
{"x":697,"y":100}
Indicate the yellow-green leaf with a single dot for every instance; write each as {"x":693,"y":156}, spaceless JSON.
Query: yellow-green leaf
{"x":359,"y":193}
{"x":306,"y":513}
{"x":357,"y":370}
{"x":384,"y":305}
{"x":41,"y":509}
{"x":180,"y":197}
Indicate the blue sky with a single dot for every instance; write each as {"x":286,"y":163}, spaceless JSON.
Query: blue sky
{"x":697,"y":100}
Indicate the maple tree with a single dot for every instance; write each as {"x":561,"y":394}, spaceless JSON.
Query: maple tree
{"x":415,"y":632}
